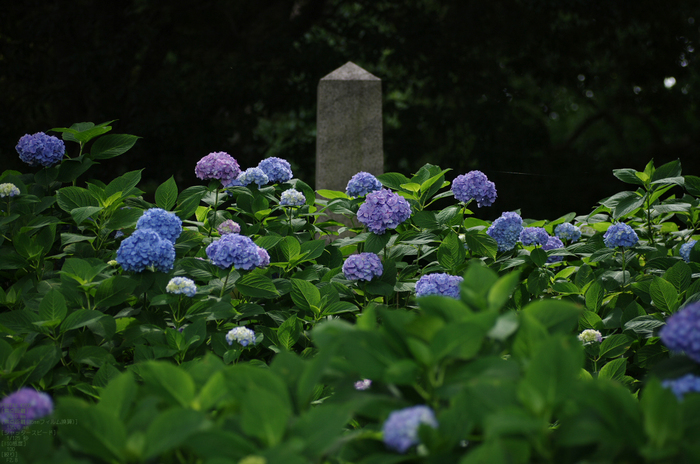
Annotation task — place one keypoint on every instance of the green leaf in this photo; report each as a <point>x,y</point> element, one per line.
<point>166,194</point>
<point>501,291</point>
<point>168,381</point>
<point>615,345</point>
<point>305,294</point>
<point>123,219</point>
<point>312,248</point>
<point>594,296</point>
<point>332,194</point>
<point>538,257</point>
<point>290,248</point>
<point>84,213</point>
<point>614,370</point>
<point>70,198</point>
<point>114,291</point>
<point>41,359</point>
<point>450,253</point>
<point>481,244</point>
<point>425,219</point>
<point>393,180</point>
<point>91,355</point>
<point>53,307</point>
<point>171,428</point>
<point>376,243</point>
<point>83,132</point>
<point>664,295</point>
<point>119,394</point>
<point>257,286</point>
<point>112,145</point>
<point>80,318</point>
<point>644,326</point>
<point>671,169</point>
<point>679,275</point>
<point>124,183</point>
<point>339,307</point>
<point>629,176</point>
<point>289,332</point>
<point>627,205</point>
<point>692,185</point>
<point>663,416</point>
<point>554,315</point>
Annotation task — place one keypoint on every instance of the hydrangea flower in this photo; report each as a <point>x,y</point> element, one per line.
<point>568,232</point>
<point>474,185</point>
<point>553,243</point>
<point>242,335</point>
<point>167,224</point>
<point>400,430</point>
<point>439,284</point>
<point>251,175</point>
<point>689,383</point>
<point>228,227</point>
<point>264,257</point>
<point>363,384</point>
<point>234,250</point>
<point>363,266</point>
<point>181,286</point>
<point>292,197</point>
<point>382,210</point>
<point>590,336</point>
<point>620,235</point>
<point>8,190</point>
<point>506,230</point>
<point>40,149</point>
<point>682,331</point>
<point>361,184</point>
<point>146,248</point>
<point>534,236</point>
<point>20,408</point>
<point>218,165</point>
<point>276,169</point>
<point>684,251</point>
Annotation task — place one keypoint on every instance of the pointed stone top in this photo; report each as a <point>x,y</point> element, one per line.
<point>350,72</point>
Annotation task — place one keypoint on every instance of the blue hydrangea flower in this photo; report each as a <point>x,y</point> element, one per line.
<point>234,250</point>
<point>400,430</point>
<point>363,266</point>
<point>382,210</point>
<point>534,236</point>
<point>292,197</point>
<point>553,243</point>
<point>361,184</point>
<point>506,230</point>
<point>40,149</point>
<point>589,336</point>
<point>181,286</point>
<point>682,331</point>
<point>439,284</point>
<point>264,257</point>
<point>218,165</point>
<point>568,232</point>
<point>620,235</point>
<point>689,383</point>
<point>146,248</point>
<point>19,409</point>
<point>242,335</point>
<point>276,169</point>
<point>167,224</point>
<point>685,250</point>
<point>8,190</point>
<point>474,185</point>
<point>251,175</point>
<point>228,227</point>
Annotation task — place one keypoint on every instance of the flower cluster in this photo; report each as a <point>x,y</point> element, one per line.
<point>590,336</point>
<point>228,227</point>
<point>568,232</point>
<point>234,250</point>
<point>382,210</point>
<point>8,190</point>
<point>361,184</point>
<point>400,430</point>
<point>20,408</point>
<point>474,185</point>
<point>40,149</point>
<point>682,331</point>
<point>689,383</point>
<point>145,248</point>
<point>363,266</point>
<point>553,243</point>
<point>363,384</point>
<point>684,251</point>
<point>439,284</point>
<point>218,165</point>
<point>166,224</point>
<point>242,335</point>
<point>276,169</point>
<point>506,230</point>
<point>251,175</point>
<point>181,286</point>
<point>620,235</point>
<point>534,236</point>
<point>292,197</point>
<point>264,257</point>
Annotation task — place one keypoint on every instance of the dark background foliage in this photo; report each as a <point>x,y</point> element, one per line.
<point>546,97</point>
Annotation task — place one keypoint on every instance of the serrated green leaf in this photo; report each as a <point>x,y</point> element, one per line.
<point>53,307</point>
<point>112,145</point>
<point>166,194</point>
<point>305,294</point>
<point>257,286</point>
<point>614,370</point>
<point>663,294</point>
<point>80,318</point>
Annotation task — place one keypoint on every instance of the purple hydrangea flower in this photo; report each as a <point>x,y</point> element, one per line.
<point>167,224</point>
<point>400,430</point>
<point>506,230</point>
<point>20,408</point>
<point>228,227</point>
<point>218,165</point>
<point>620,235</point>
<point>234,250</point>
<point>568,232</point>
<point>361,184</point>
<point>363,384</point>
<point>439,284</point>
<point>181,286</point>
<point>382,210</point>
<point>242,335</point>
<point>682,331</point>
<point>40,149</point>
<point>251,175</point>
<point>146,248</point>
<point>474,185</point>
<point>534,236</point>
<point>292,197</point>
<point>8,190</point>
<point>363,266</point>
<point>685,250</point>
<point>276,169</point>
<point>689,383</point>
<point>553,243</point>
<point>264,257</point>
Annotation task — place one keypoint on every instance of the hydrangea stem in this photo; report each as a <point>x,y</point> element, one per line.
<point>223,287</point>
<point>212,223</point>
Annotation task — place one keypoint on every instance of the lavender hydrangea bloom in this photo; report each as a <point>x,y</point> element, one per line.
<point>382,210</point>
<point>242,335</point>
<point>276,169</point>
<point>20,408</point>
<point>553,243</point>
<point>181,286</point>
<point>568,232</point>
<point>8,190</point>
<point>292,197</point>
<point>689,383</point>
<point>40,149</point>
<point>682,331</point>
<point>506,230</point>
<point>218,165</point>
<point>363,384</point>
<point>167,224</point>
<point>361,184</point>
<point>234,250</point>
<point>534,236</point>
<point>589,336</point>
<point>251,175</point>
<point>474,185</point>
<point>146,248</point>
<point>264,257</point>
<point>363,266</point>
<point>685,250</point>
<point>620,235</point>
<point>400,430</point>
<point>439,284</point>
<point>228,227</point>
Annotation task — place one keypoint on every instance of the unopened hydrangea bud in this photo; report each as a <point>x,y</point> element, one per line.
<point>361,184</point>
<point>8,190</point>
<point>292,197</point>
<point>243,335</point>
<point>590,336</point>
<point>474,185</point>
<point>400,430</point>
<point>181,286</point>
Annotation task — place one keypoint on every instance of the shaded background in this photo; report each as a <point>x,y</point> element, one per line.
<point>545,96</point>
